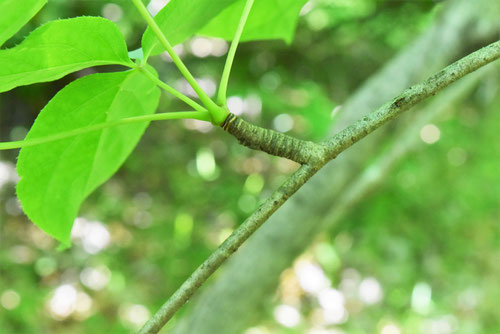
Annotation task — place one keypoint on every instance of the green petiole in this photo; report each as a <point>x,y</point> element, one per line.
<point>172,90</point>
<point>199,115</point>
<point>221,95</point>
<point>217,113</point>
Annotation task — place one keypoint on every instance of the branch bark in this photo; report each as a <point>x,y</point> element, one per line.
<point>274,143</point>
<point>239,296</point>
<point>227,248</point>
<point>334,146</point>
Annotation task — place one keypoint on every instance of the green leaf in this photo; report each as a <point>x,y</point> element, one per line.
<point>56,177</point>
<point>180,19</point>
<point>269,19</point>
<point>61,47</point>
<point>14,14</point>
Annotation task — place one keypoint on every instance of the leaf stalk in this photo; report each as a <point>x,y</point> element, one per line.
<point>218,114</point>
<point>198,115</point>
<point>221,96</point>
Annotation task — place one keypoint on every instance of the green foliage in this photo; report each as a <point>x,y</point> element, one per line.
<point>269,19</point>
<point>61,47</point>
<point>14,14</point>
<point>146,205</point>
<point>56,177</point>
<point>178,25</point>
<point>70,169</point>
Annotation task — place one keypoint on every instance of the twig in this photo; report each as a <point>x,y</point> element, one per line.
<point>274,143</point>
<point>228,247</point>
<point>335,146</point>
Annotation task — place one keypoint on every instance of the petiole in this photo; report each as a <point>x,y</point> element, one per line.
<point>218,113</point>
<point>221,95</point>
<point>172,90</point>
<point>199,115</point>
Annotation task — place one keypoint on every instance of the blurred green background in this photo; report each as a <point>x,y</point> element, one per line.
<point>419,254</point>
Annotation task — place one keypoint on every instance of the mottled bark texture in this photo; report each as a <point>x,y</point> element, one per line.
<point>234,302</point>
<point>274,143</point>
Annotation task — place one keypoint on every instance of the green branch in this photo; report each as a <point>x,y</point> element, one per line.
<point>273,142</point>
<point>199,115</point>
<point>218,114</point>
<point>227,248</point>
<point>221,96</point>
<point>317,154</point>
<point>411,97</point>
<point>335,146</point>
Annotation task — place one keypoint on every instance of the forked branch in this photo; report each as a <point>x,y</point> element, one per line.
<point>274,143</point>
<point>334,146</point>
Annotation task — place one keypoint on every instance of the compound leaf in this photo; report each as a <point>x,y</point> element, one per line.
<point>56,177</point>
<point>14,14</point>
<point>61,47</point>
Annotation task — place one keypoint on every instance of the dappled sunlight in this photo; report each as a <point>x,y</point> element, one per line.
<point>95,278</point>
<point>7,173</point>
<point>206,165</point>
<point>430,134</point>
<point>10,299</point>
<point>133,315</point>
<point>396,235</point>
<point>112,12</point>
<point>287,315</point>
<point>421,298</point>
<point>370,291</point>
<point>67,301</point>
<point>206,83</point>
<point>390,329</point>
<point>202,47</point>
<point>92,235</point>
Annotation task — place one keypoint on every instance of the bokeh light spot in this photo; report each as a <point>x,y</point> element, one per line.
<point>430,134</point>
<point>10,299</point>
<point>283,123</point>
<point>287,315</point>
<point>370,291</point>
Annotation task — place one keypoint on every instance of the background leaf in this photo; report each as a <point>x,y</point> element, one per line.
<point>269,19</point>
<point>57,177</point>
<point>14,14</point>
<point>61,47</point>
<point>179,20</point>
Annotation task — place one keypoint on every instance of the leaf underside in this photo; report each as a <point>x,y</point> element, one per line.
<point>14,14</point>
<point>56,177</point>
<point>61,47</point>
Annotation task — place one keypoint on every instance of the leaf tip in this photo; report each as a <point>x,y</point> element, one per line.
<point>63,246</point>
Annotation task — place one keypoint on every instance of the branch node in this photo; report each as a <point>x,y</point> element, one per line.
<point>275,143</point>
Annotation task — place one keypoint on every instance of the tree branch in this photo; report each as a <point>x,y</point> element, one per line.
<point>250,276</point>
<point>274,143</point>
<point>227,248</point>
<point>335,146</point>
<point>411,97</point>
